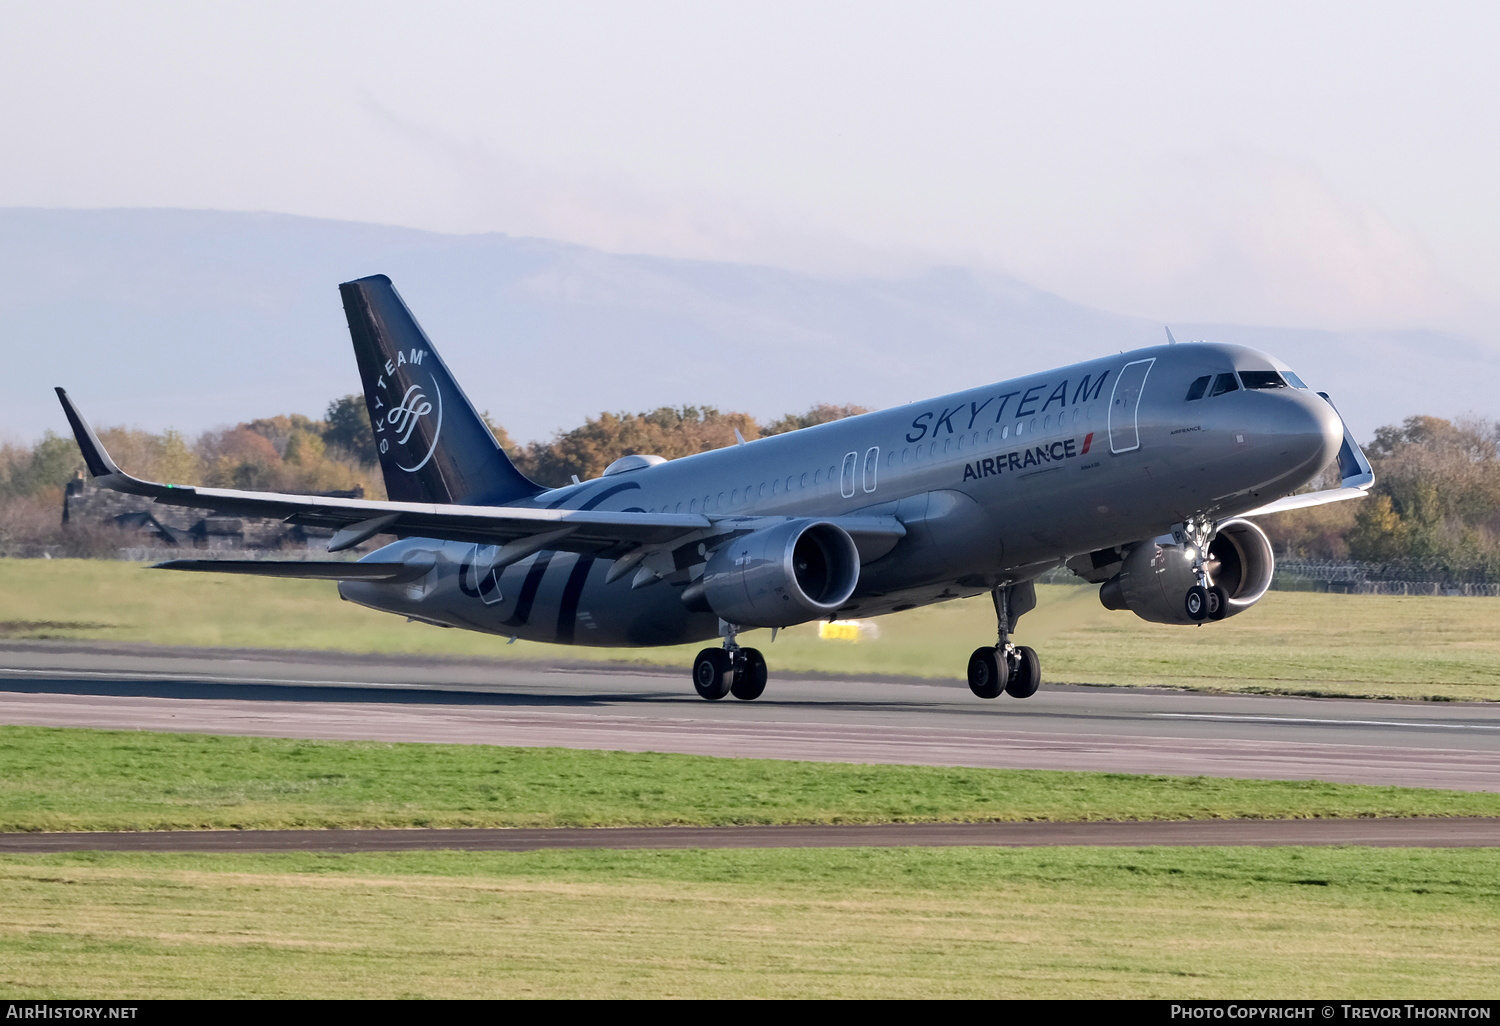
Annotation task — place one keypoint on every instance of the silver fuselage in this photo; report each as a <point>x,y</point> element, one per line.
<point>995,485</point>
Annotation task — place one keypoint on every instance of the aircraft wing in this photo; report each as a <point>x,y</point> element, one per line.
<point>1355,473</point>
<point>517,531</point>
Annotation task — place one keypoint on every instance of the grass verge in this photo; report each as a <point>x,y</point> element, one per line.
<point>76,779</point>
<point>1289,643</point>
<point>1116,923</point>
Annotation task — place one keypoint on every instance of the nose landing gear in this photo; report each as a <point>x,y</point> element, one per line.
<point>1004,667</point>
<point>730,670</point>
<point>1204,600</point>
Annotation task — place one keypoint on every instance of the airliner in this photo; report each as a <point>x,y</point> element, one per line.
<point>1141,472</point>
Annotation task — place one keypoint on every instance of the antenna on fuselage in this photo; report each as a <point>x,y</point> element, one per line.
<point>1170,340</point>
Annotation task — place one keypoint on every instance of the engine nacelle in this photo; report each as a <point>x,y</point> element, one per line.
<point>1154,580</point>
<point>779,576</point>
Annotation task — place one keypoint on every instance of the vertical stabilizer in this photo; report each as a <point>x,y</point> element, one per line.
<point>433,446</point>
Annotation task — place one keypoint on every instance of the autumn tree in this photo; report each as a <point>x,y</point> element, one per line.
<point>1436,499</point>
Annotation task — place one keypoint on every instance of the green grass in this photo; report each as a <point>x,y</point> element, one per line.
<point>73,779</point>
<point>870,923</point>
<point>1289,643</point>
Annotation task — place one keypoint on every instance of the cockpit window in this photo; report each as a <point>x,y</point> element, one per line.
<point>1293,380</point>
<point>1262,379</point>
<point>1197,388</point>
<point>1224,383</point>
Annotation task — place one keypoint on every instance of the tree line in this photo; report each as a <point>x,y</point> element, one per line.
<point>1435,505</point>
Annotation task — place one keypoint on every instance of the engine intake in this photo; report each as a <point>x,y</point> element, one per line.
<point>1154,579</point>
<point>779,576</point>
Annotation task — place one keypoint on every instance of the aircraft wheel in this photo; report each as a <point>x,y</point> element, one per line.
<point>713,673</point>
<point>1026,675</point>
<point>1196,603</point>
<point>750,677</point>
<point>1218,603</point>
<point>987,673</point>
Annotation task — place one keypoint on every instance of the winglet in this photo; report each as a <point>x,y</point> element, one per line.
<point>98,461</point>
<point>1354,469</point>
<point>1170,340</point>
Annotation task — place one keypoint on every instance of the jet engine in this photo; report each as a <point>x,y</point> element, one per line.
<point>1154,579</point>
<point>778,576</point>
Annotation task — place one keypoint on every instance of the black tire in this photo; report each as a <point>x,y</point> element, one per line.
<point>750,677</point>
<point>1196,603</point>
<point>1026,675</point>
<point>987,673</point>
<point>1218,603</point>
<point>713,674</point>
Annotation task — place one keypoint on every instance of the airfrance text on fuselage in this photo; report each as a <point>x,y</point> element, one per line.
<point>1023,458</point>
<point>1086,391</point>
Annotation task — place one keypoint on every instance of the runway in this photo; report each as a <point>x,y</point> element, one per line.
<point>331,695</point>
<point>1379,833</point>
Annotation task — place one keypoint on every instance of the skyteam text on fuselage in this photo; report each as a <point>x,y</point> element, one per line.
<point>1136,471</point>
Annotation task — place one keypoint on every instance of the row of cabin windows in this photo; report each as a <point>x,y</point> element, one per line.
<point>954,443</point>
<point>1227,382</point>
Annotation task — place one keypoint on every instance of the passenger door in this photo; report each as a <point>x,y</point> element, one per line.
<point>1124,406</point>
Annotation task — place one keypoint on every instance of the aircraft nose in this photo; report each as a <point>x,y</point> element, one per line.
<point>1306,429</point>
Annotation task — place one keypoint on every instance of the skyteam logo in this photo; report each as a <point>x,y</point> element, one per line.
<point>409,403</point>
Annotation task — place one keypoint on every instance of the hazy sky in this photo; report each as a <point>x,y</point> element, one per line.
<point>1319,164</point>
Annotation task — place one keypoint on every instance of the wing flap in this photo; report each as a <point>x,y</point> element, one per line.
<point>302,569</point>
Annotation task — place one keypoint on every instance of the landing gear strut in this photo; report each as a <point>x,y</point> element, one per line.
<point>730,670</point>
<point>1204,600</point>
<point>1004,667</point>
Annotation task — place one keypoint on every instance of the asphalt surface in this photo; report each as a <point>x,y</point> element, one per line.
<point>330,695</point>
<point>1380,833</point>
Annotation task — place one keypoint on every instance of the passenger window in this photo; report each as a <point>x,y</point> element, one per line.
<point>1198,387</point>
<point>1005,431</point>
<point>817,477</point>
<point>803,482</point>
<point>693,506</point>
<point>734,498</point>
<point>989,436</point>
<point>1020,428</point>
<point>1224,383</point>
<point>1261,379</point>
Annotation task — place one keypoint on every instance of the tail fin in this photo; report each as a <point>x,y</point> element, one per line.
<point>433,446</point>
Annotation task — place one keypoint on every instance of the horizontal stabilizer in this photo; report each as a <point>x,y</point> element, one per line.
<point>302,569</point>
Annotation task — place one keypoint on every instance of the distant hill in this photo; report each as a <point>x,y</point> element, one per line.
<point>195,319</point>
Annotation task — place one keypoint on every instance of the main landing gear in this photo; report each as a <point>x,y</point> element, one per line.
<point>1004,667</point>
<point>730,670</point>
<point>1204,600</point>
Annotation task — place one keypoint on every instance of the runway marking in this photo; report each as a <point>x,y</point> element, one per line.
<point>1241,718</point>
<point>205,678</point>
